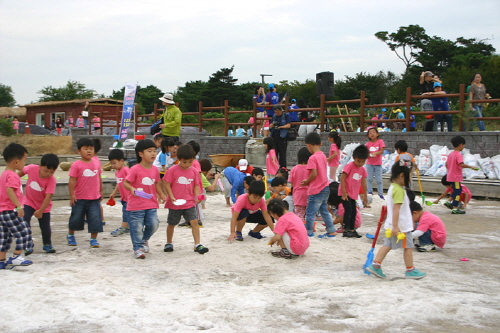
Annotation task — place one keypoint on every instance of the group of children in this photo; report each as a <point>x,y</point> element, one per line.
<point>180,180</point>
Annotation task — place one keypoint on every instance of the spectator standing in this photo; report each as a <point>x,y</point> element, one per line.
<point>440,103</point>
<point>259,97</point>
<point>172,118</point>
<point>280,123</point>
<point>477,91</point>
<point>294,115</point>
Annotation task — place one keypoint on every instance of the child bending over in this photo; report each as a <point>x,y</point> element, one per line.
<point>430,229</point>
<point>465,196</point>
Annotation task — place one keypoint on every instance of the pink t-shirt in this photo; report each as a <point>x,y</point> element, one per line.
<point>334,162</point>
<point>243,203</point>
<point>9,179</point>
<point>375,147</point>
<point>145,179</point>
<point>196,164</point>
<point>37,188</point>
<point>271,168</point>
<point>317,161</point>
<point>454,168</point>
<point>16,124</point>
<point>293,225</point>
<point>353,180</point>
<point>298,174</point>
<point>88,179</point>
<point>429,221</point>
<point>462,195</point>
<point>182,182</point>
<point>97,122</point>
<point>120,176</point>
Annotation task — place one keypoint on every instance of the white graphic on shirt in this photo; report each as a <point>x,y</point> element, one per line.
<point>147,181</point>
<point>89,173</point>
<point>34,185</point>
<point>119,180</point>
<point>374,148</point>
<point>357,176</point>
<point>184,181</point>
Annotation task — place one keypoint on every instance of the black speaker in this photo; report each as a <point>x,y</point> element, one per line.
<point>324,84</point>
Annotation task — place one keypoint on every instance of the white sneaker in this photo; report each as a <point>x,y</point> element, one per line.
<point>146,247</point>
<point>139,254</point>
<point>427,248</point>
<point>18,261</point>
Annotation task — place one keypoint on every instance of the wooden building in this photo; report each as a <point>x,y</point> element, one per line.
<point>45,113</point>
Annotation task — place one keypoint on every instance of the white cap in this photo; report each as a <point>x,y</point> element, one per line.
<point>243,164</point>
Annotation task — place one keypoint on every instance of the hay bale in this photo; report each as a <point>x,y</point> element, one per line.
<point>65,165</point>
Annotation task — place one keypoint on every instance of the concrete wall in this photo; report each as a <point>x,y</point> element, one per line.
<point>483,143</point>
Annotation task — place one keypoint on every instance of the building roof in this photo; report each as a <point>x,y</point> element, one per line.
<point>96,101</point>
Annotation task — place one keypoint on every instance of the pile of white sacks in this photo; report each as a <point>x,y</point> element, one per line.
<point>432,162</point>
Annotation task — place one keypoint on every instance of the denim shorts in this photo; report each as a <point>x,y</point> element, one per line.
<point>86,208</point>
<point>174,215</point>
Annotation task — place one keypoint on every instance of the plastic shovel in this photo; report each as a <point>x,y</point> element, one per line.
<point>369,257</point>
<point>420,185</point>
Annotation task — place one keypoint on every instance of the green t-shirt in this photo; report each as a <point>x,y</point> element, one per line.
<point>204,182</point>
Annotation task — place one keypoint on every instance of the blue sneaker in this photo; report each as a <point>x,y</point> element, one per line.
<point>257,235</point>
<point>311,234</point>
<point>201,249</point>
<point>18,261</point>
<point>28,252</point>
<point>3,265</point>
<point>48,248</point>
<point>326,235</point>
<point>94,243</point>
<point>239,236</point>
<point>376,271</point>
<point>168,248</point>
<point>415,274</point>
<point>71,240</point>
<point>120,231</point>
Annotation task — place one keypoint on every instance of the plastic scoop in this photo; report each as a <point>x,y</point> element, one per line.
<point>179,202</point>
<point>201,197</point>
<point>111,202</point>
<point>430,203</point>
<point>143,194</point>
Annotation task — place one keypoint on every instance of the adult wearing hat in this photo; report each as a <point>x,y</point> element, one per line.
<point>440,103</point>
<point>294,115</point>
<point>172,118</point>
<point>280,123</point>
<point>272,97</point>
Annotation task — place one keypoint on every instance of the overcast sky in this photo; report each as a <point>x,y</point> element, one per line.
<point>106,43</point>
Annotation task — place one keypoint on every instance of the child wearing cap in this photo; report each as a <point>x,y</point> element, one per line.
<point>440,103</point>
<point>244,167</point>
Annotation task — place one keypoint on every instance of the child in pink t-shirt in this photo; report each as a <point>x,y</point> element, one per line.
<point>430,229</point>
<point>14,228</point>
<point>454,165</point>
<point>117,160</point>
<point>465,196</point>
<point>85,193</point>
<point>272,164</point>
<point>319,187</point>
<point>15,124</point>
<point>182,182</point>
<point>333,159</point>
<point>373,164</point>
<point>297,175</point>
<point>40,188</point>
<point>250,207</point>
<point>353,178</point>
<point>144,184</point>
<point>289,232</point>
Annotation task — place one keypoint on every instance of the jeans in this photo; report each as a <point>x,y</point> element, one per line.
<point>86,208</point>
<point>374,170</point>
<point>425,239</point>
<point>143,224</point>
<point>125,212</point>
<point>319,202</point>
<point>455,195</point>
<point>44,223</point>
<point>478,113</point>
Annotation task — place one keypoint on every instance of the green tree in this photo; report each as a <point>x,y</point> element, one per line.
<point>190,95</point>
<point>72,90</point>
<point>145,97</point>
<point>6,96</point>
<point>300,90</point>
<point>221,86</point>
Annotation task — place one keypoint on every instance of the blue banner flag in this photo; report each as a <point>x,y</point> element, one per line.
<point>128,108</point>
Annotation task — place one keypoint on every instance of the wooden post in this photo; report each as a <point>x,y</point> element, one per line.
<point>322,112</point>
<point>155,109</point>
<point>254,125</point>
<point>461,107</point>
<point>348,118</point>
<point>226,116</point>
<point>408,106</point>
<point>362,112</point>
<point>200,116</point>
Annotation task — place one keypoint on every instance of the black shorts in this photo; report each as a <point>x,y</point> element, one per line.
<point>257,217</point>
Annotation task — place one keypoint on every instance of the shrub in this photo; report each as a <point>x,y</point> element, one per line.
<point>6,127</point>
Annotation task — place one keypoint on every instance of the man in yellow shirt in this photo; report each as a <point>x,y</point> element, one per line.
<point>172,118</point>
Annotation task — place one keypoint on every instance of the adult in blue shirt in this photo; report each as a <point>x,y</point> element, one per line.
<point>440,103</point>
<point>272,97</point>
<point>260,99</point>
<point>280,123</point>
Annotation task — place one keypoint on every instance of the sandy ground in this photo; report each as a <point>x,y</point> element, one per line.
<point>240,287</point>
